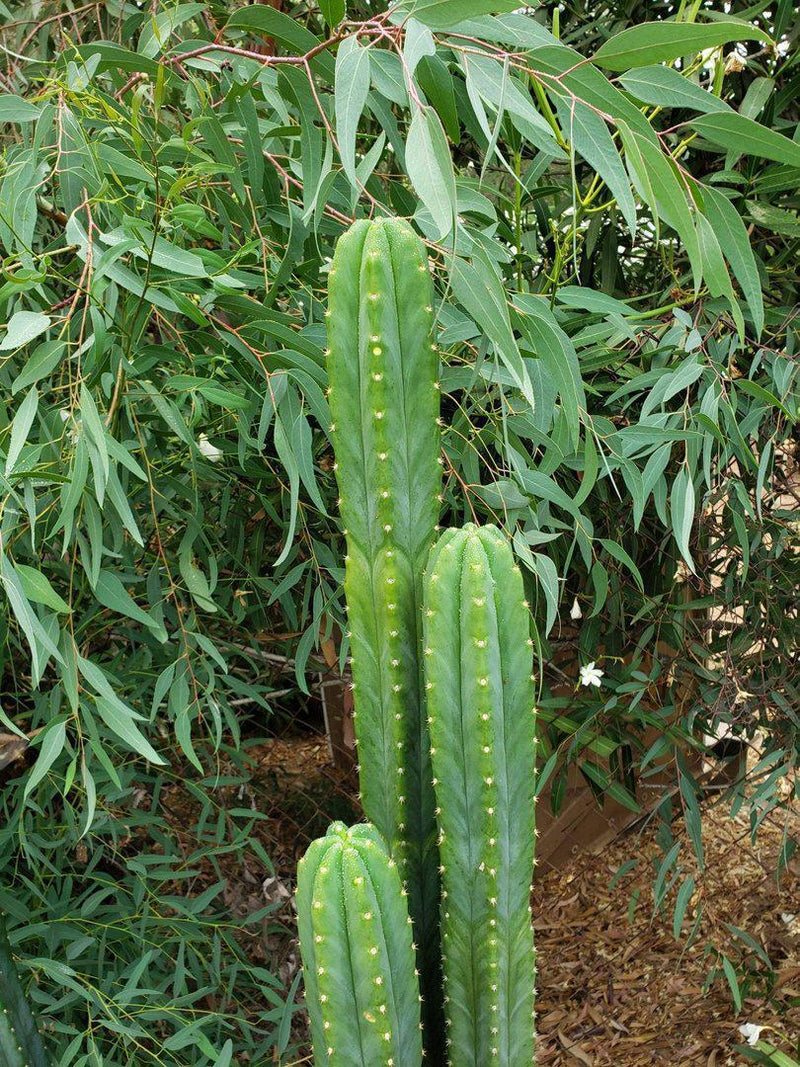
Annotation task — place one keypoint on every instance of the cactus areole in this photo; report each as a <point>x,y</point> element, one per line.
<point>384,402</point>
<point>358,955</point>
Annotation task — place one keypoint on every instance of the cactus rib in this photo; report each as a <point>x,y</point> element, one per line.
<point>480,706</point>
<point>21,1044</point>
<point>358,956</point>
<point>384,405</point>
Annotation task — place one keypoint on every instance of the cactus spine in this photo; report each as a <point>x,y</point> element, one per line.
<point>20,1042</point>
<point>384,402</point>
<point>358,956</point>
<point>480,706</point>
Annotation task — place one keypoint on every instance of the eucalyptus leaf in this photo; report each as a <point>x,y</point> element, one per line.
<point>430,168</point>
<point>661,42</point>
<point>15,108</point>
<point>682,508</point>
<point>666,87</point>
<point>352,86</point>
<point>23,327</point>
<point>441,14</point>
<point>744,135</point>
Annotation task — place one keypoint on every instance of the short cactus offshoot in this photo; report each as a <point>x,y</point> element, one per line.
<point>358,956</point>
<point>384,403</point>
<point>20,1042</point>
<point>481,721</point>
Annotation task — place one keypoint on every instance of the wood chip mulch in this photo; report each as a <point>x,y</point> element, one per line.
<point>616,988</point>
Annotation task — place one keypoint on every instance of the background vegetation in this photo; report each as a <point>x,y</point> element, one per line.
<point>615,245</point>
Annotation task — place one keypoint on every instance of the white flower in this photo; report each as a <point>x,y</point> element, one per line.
<point>751,1031</point>
<point>788,917</point>
<point>575,611</point>
<point>591,675</point>
<point>710,58</point>
<point>211,452</point>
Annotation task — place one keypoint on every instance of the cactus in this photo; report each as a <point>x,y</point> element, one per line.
<point>384,403</point>
<point>480,707</point>
<point>454,742</point>
<point>358,956</point>
<point>20,1042</point>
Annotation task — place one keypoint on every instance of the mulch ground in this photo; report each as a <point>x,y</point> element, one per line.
<point>615,987</point>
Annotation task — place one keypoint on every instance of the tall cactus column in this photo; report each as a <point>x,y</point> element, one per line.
<point>480,706</point>
<point>384,404</point>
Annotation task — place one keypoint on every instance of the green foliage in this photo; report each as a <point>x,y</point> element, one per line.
<point>384,403</point>
<point>20,1042</point>
<point>358,956</point>
<point>614,261</point>
<point>130,932</point>
<point>483,749</point>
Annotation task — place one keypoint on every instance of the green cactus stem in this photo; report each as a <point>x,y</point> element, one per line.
<point>358,955</point>
<point>482,727</point>
<point>384,402</point>
<point>21,1044</point>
